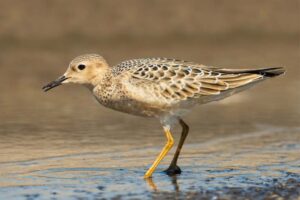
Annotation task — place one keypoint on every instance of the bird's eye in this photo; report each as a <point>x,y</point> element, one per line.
<point>81,67</point>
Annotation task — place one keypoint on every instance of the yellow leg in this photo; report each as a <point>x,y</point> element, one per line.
<point>163,153</point>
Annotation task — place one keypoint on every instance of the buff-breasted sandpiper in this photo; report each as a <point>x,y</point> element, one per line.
<point>162,88</point>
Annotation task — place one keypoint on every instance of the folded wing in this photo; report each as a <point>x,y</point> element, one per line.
<point>180,80</point>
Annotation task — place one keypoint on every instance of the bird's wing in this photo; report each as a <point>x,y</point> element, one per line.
<point>179,80</point>
<point>131,65</point>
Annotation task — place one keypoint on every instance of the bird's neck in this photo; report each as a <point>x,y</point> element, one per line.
<point>101,79</point>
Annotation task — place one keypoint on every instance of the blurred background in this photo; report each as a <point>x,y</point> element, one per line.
<point>39,38</point>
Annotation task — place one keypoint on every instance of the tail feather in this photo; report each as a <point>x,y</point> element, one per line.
<point>236,81</point>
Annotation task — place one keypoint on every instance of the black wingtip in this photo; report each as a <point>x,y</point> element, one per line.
<point>267,72</point>
<point>272,72</point>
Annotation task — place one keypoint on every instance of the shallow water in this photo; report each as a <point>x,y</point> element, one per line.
<point>87,165</point>
<point>63,145</point>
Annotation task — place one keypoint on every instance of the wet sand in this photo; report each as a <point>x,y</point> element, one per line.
<point>63,145</point>
<point>260,164</point>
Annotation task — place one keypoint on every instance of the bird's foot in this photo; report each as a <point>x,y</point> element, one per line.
<point>173,170</point>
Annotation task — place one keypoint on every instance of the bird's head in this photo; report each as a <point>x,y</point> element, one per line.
<point>85,69</point>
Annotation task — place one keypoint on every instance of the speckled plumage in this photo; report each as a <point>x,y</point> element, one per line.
<point>159,87</point>
<point>168,86</point>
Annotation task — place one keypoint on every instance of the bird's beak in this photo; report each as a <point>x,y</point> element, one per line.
<point>55,83</point>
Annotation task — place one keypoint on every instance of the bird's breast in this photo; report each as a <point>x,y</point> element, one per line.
<point>119,98</point>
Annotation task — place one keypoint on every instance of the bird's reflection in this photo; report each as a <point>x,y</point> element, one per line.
<point>174,182</point>
<point>153,186</point>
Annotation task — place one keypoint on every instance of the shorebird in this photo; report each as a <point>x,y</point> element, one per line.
<point>161,88</point>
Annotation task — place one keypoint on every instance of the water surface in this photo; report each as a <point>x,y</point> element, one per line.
<point>63,145</point>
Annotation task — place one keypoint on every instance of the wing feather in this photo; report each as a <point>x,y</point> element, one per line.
<point>179,80</point>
